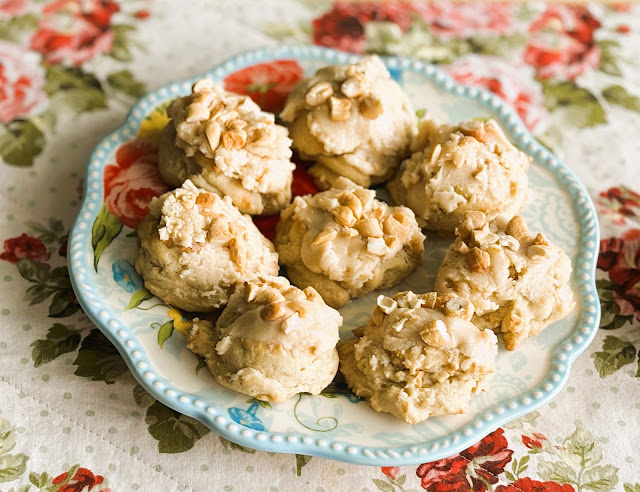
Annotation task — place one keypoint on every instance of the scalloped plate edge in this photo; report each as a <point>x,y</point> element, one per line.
<point>80,268</point>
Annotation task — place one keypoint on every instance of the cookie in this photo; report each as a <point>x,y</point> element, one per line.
<point>517,281</point>
<point>272,341</point>
<point>418,356</point>
<point>345,243</point>
<point>195,247</point>
<point>353,121</point>
<point>470,166</point>
<point>224,143</point>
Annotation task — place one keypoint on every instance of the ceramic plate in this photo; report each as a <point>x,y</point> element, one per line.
<point>336,424</point>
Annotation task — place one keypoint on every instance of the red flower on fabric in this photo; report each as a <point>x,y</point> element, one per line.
<point>82,480</point>
<point>11,8</point>
<point>472,469</point>
<point>620,258</point>
<point>268,84</point>
<point>75,31</point>
<point>464,19</point>
<point>620,203</point>
<point>343,27</point>
<point>391,471</point>
<point>131,183</point>
<point>528,485</point>
<point>24,246</point>
<point>512,82</point>
<point>562,42</point>
<point>21,83</point>
<point>535,441</point>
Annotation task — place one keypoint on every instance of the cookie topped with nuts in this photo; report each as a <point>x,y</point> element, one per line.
<point>353,121</point>
<point>345,243</point>
<point>518,281</point>
<point>418,356</point>
<point>195,247</point>
<point>455,168</point>
<point>272,341</point>
<point>226,144</point>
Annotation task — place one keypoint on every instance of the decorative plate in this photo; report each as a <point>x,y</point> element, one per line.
<point>121,179</point>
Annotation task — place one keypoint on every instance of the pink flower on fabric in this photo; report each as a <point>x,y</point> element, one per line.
<point>21,83</point>
<point>561,43</point>
<point>455,20</point>
<point>75,31</point>
<point>11,8</point>
<point>514,83</point>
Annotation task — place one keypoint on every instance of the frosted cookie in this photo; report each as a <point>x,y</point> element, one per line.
<point>345,243</point>
<point>418,356</point>
<point>272,341</point>
<point>470,166</point>
<point>518,282</point>
<point>353,121</point>
<point>223,142</point>
<point>196,246</point>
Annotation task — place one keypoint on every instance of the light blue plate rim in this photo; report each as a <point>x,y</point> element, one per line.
<point>81,271</point>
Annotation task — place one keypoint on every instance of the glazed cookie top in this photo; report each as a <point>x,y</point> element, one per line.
<point>470,166</point>
<point>349,104</point>
<point>190,218</point>
<point>431,334</point>
<point>270,310</point>
<point>347,232</point>
<point>507,262</point>
<point>232,134</point>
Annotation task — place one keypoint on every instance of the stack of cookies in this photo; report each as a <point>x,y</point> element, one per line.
<point>421,353</point>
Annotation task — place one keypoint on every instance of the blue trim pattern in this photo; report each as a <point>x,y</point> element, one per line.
<point>217,418</point>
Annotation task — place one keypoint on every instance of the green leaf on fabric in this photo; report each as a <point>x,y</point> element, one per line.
<point>12,28</point>
<point>510,476</point>
<point>75,89</point>
<point>600,478</point>
<point>121,41</point>
<point>382,485</point>
<point>12,466</point>
<point>37,293</point>
<point>20,142</point>
<point>165,332</point>
<point>124,81</point>
<point>138,297</point>
<point>33,271</point>
<point>611,318</point>
<point>616,94</point>
<point>55,233</point>
<point>98,359</point>
<point>581,449</point>
<point>174,432</point>
<point>629,487</point>
<point>7,436</point>
<point>581,105</point>
<point>556,471</point>
<point>142,397</point>
<point>301,461</point>
<point>401,480</point>
<point>105,229</point>
<point>63,304</point>
<point>237,447</point>
<point>61,339</point>
<point>609,57</point>
<point>615,354</point>
<point>40,480</point>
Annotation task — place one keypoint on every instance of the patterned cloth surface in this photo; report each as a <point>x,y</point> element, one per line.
<point>72,418</point>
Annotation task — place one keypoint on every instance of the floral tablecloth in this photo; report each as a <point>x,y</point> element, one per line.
<point>72,418</point>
